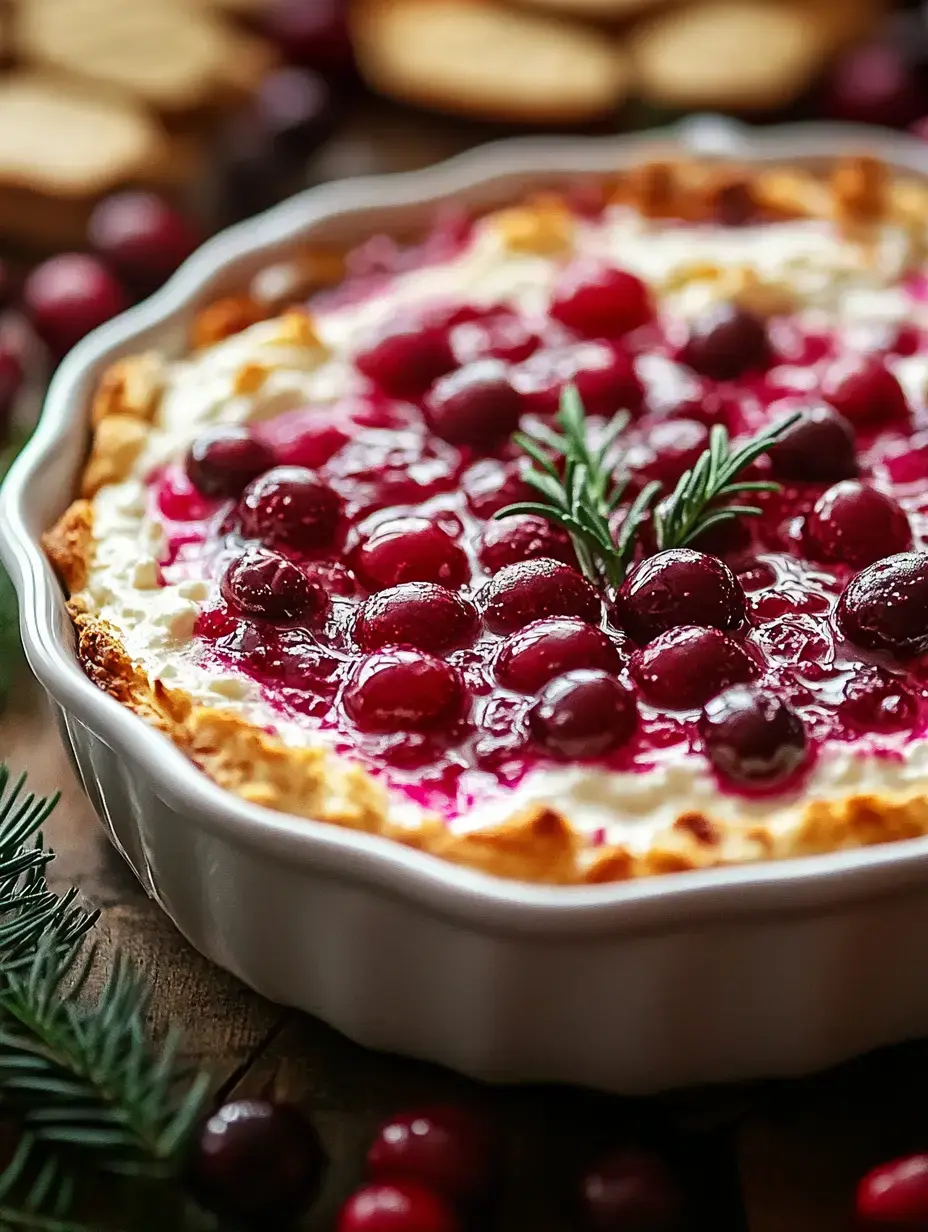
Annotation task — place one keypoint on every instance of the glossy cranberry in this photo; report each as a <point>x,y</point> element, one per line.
<point>603,374</point>
<point>875,700</point>
<point>68,296</point>
<point>630,1190</point>
<point>257,1162</point>
<point>875,84</point>
<point>142,237</point>
<point>490,486</point>
<point>292,507</point>
<point>895,1194</point>
<point>262,583</point>
<point>523,537</point>
<point>725,342</point>
<point>476,405</point>
<point>884,606</point>
<point>501,335</point>
<point>410,550</point>
<point>527,660</point>
<point>223,461</point>
<point>685,667</point>
<point>672,447</point>
<point>819,447</point>
<point>294,106</point>
<point>305,437</point>
<point>863,390</point>
<point>418,614</point>
<point>534,589</point>
<point>403,690</point>
<point>752,737</point>
<point>856,524</point>
<point>407,356</point>
<point>598,301</point>
<point>452,1151</point>
<point>583,714</point>
<point>313,33</point>
<point>679,587</point>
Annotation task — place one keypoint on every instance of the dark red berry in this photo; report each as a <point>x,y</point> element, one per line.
<point>294,107</point>
<point>407,356</point>
<point>895,1194</point>
<point>489,486</point>
<point>451,1151</point>
<point>583,714</point>
<point>864,391</point>
<point>752,737</point>
<point>142,237</point>
<point>475,406</point>
<point>857,524</point>
<point>223,461</point>
<point>264,584</point>
<point>604,375</point>
<point>12,375</point>
<point>884,606</point>
<point>403,690</point>
<point>257,1162</point>
<point>397,1206</point>
<point>679,587</point>
<point>672,447</point>
<point>630,1190</point>
<point>875,84</point>
<point>598,301</point>
<point>410,550</point>
<point>501,335</point>
<point>873,699</point>
<point>292,507</point>
<point>527,660</point>
<point>523,537</point>
<point>529,591</point>
<point>313,33</point>
<point>68,296</point>
<point>818,448</point>
<point>725,342</point>
<point>419,614</point>
<point>685,667</point>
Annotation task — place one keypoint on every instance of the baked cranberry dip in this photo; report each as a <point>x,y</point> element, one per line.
<point>579,541</point>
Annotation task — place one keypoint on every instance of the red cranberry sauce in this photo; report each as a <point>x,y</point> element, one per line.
<point>384,463</point>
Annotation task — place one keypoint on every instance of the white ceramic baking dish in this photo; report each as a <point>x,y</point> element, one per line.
<point>751,971</point>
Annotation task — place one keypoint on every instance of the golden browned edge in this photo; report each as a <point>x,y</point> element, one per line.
<point>538,844</point>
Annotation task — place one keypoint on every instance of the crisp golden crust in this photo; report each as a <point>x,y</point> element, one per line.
<point>69,545</point>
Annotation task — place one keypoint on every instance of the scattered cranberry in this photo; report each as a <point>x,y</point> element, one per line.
<point>598,301</point>
<point>410,550</point>
<point>630,1190</point>
<point>142,237</point>
<point>820,447</point>
<point>752,737</point>
<point>403,690</point>
<point>68,296</point>
<point>883,607</point>
<point>257,1162</point>
<point>672,447</point>
<point>490,486</point>
<point>547,648</point>
<point>476,405</point>
<point>875,84</point>
<point>534,589</point>
<point>407,356</point>
<point>895,1194</point>
<point>857,525</point>
<point>863,390</point>
<point>261,583</point>
<point>419,614</point>
<point>452,1151</point>
<point>876,700</point>
<point>685,667</point>
<point>583,714</point>
<point>679,587</point>
<point>501,335</point>
<point>223,461</point>
<point>313,33</point>
<point>294,106</point>
<point>396,1206</point>
<point>604,375</point>
<point>292,507</point>
<point>523,537</point>
<point>12,375</point>
<point>725,341</point>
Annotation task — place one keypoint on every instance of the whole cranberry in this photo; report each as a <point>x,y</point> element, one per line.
<point>819,447</point>
<point>264,584</point>
<point>725,342</point>
<point>875,84</point>
<point>68,296</point>
<point>630,1190</point>
<point>583,714</point>
<point>864,391</point>
<point>419,614</point>
<point>599,301</point>
<point>685,667</point>
<point>752,737</point>
<point>873,699</point>
<point>672,447</point>
<point>523,537</point>
<point>12,375</point>
<point>679,587</point>
<point>223,461</point>
<point>895,1194</point>
<point>527,660</point>
<point>257,1162</point>
<point>856,524</point>
<point>475,406</point>
<point>410,550</point>
<point>534,589</point>
<point>884,606</point>
<point>604,375</point>
<point>142,237</point>
<point>490,486</point>
<point>295,108</point>
<point>397,1206</point>
<point>292,507</point>
<point>403,690</point>
<point>407,356</point>
<point>313,33</point>
<point>501,335</point>
<point>451,1151</point>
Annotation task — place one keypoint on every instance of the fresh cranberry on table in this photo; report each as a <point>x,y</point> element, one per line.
<point>725,342</point>
<point>294,107</point>
<point>875,84</point>
<point>410,550</point>
<point>313,33</point>
<point>685,667</point>
<point>450,1150</point>
<point>873,699</point>
<point>68,296</point>
<point>223,461</point>
<point>528,659</point>
<point>679,587</point>
<point>490,486</point>
<point>406,356</point>
<point>402,690</point>
<point>397,1206</point>
<point>420,614</point>
<point>476,405</point>
<point>583,714</point>
<point>629,1190</point>
<point>292,507</point>
<point>524,536</point>
<point>895,1194</point>
<point>264,584</point>
<point>12,375</point>
<point>884,606</point>
<point>864,391</point>
<point>752,737</point>
<point>258,1162</point>
<point>599,301</point>
<point>819,447</point>
<point>671,448</point>
<point>500,335</point>
<point>142,237</point>
<point>857,524</point>
<point>604,375</point>
<point>533,589</point>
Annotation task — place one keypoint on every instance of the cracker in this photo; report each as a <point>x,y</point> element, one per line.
<point>477,57</point>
